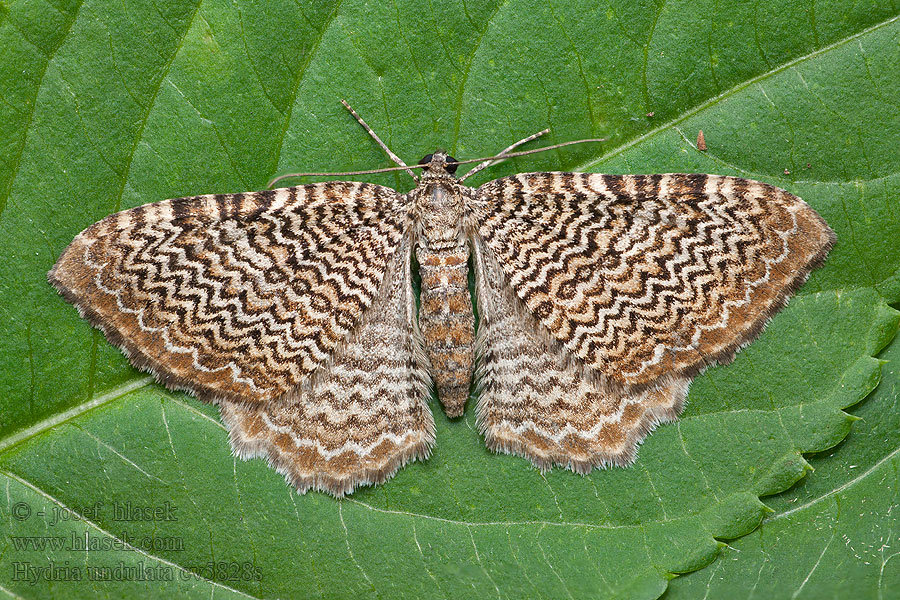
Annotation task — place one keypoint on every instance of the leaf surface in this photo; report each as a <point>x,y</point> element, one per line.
<point>112,105</point>
<point>834,534</point>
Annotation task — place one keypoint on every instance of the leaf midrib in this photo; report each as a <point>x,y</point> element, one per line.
<point>730,92</point>
<point>108,534</point>
<point>21,435</point>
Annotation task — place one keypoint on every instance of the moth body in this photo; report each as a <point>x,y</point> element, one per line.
<point>442,250</point>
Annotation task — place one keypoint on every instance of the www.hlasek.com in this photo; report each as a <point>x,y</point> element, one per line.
<point>95,543</point>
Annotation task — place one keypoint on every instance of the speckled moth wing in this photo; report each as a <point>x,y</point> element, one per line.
<point>235,297</point>
<point>364,416</point>
<point>647,279</point>
<point>535,402</point>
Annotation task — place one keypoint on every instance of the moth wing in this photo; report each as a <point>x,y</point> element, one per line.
<point>647,279</point>
<point>536,402</point>
<point>235,297</point>
<point>362,418</point>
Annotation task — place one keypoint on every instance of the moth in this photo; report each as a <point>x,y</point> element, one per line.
<point>599,299</point>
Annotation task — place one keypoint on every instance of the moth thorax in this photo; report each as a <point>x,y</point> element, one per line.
<point>440,207</point>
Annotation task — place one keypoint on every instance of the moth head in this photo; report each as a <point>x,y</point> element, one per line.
<point>439,163</point>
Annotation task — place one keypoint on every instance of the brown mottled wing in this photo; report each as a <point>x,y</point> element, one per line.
<point>536,402</point>
<point>647,279</point>
<point>235,297</point>
<point>362,418</point>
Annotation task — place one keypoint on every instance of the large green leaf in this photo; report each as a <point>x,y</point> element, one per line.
<point>109,105</point>
<point>835,534</point>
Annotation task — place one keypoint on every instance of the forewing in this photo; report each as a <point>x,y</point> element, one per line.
<point>239,296</point>
<point>535,402</point>
<point>363,416</point>
<point>649,276</point>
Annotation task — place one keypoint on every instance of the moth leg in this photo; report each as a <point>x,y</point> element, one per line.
<point>537,401</point>
<point>364,414</point>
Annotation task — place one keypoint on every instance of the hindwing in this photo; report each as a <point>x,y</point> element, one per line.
<point>536,402</point>
<point>362,418</point>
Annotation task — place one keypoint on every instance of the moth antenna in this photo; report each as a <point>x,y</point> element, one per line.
<point>384,146</point>
<point>275,180</point>
<point>485,161</point>
<point>510,148</point>
<point>504,155</point>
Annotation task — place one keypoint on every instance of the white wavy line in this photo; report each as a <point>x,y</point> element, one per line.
<point>660,349</point>
<point>569,429</point>
<point>355,447</point>
<point>235,370</point>
<point>339,417</point>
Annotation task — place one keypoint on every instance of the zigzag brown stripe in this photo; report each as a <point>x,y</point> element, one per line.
<point>535,402</point>
<point>237,296</point>
<point>345,431</point>
<point>642,277</point>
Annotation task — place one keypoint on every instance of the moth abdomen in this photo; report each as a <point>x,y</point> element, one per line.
<point>447,322</point>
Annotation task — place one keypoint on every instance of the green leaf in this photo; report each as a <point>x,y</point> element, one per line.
<point>833,535</point>
<point>109,105</point>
